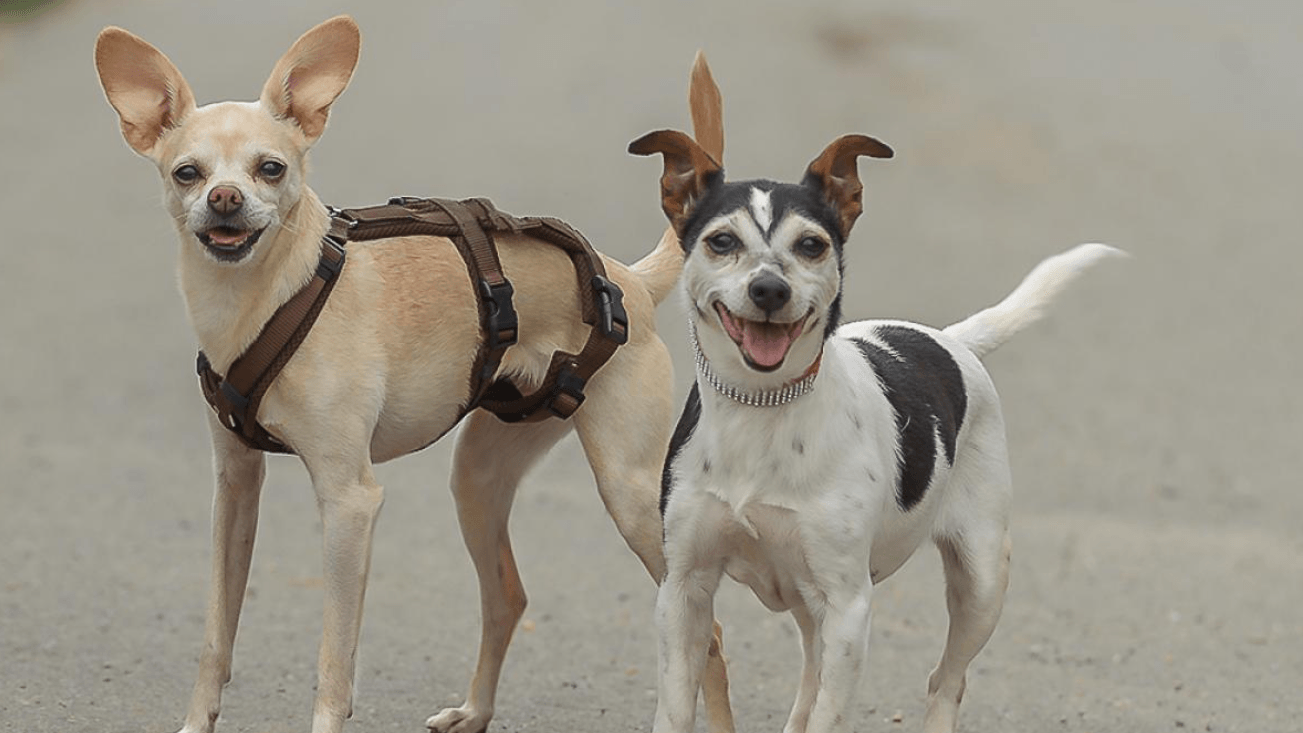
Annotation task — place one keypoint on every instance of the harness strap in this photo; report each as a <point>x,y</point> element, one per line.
<point>236,397</point>
<point>562,389</point>
<point>495,292</point>
<point>469,224</point>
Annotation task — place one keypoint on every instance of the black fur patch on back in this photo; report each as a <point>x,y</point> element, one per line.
<point>682,433</point>
<point>926,390</point>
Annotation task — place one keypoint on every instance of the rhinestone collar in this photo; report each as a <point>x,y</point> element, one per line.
<point>760,398</point>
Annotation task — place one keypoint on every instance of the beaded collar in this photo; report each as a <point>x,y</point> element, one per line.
<point>760,398</point>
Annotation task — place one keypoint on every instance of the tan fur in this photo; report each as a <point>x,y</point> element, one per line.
<point>707,107</point>
<point>385,369</point>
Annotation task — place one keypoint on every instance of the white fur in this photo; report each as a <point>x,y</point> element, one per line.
<point>799,503</point>
<point>984,331</point>
<point>762,209</point>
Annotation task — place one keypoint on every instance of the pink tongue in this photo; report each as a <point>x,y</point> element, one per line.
<point>226,236</point>
<point>765,344</point>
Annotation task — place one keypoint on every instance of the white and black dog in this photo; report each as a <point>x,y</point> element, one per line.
<point>812,458</point>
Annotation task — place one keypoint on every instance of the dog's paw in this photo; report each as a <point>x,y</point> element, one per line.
<point>464,719</point>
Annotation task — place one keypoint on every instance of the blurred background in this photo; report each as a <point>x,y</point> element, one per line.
<point>1154,419</point>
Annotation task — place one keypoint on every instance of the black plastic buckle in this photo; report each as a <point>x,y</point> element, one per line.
<point>500,324</point>
<point>328,269</point>
<point>238,402</point>
<point>610,310</point>
<point>570,385</point>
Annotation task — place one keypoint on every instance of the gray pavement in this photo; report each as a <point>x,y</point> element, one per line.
<point>1155,418</point>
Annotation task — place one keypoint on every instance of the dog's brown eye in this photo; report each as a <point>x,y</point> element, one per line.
<point>811,247</point>
<point>271,169</point>
<point>722,243</point>
<point>186,174</point>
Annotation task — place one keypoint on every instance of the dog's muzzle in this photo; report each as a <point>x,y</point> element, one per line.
<point>228,244</point>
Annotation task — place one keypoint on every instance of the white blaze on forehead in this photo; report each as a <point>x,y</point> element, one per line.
<point>762,209</point>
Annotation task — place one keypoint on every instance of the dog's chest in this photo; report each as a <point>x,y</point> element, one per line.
<point>763,550</point>
<point>791,456</point>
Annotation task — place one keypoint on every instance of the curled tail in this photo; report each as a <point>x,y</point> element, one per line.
<point>987,330</point>
<point>660,269</point>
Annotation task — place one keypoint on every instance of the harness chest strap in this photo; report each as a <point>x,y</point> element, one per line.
<point>236,397</point>
<point>468,225</point>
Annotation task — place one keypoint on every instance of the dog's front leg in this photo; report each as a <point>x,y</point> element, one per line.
<point>349,500</point>
<point>685,611</point>
<point>239,473</point>
<point>844,637</point>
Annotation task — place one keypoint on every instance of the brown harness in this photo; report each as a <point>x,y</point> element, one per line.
<point>470,225</point>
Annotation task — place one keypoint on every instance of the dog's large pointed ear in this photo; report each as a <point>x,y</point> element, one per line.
<point>149,94</point>
<point>689,172</point>
<point>312,74</point>
<point>707,108</point>
<point>836,175</point>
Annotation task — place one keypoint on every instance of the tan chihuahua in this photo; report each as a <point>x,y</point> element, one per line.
<point>386,368</point>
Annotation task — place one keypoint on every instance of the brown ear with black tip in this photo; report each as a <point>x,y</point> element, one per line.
<point>689,172</point>
<point>835,173</point>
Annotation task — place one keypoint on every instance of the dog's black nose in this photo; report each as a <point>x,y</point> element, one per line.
<point>225,199</point>
<point>769,292</point>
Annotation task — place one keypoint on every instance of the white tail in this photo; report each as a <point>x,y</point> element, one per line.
<point>985,331</point>
<point>660,268</point>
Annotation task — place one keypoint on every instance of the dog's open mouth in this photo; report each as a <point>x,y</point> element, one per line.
<point>764,344</point>
<point>229,244</point>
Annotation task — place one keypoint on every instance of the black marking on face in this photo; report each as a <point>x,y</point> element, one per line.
<point>799,446</point>
<point>784,199</point>
<point>682,434</point>
<point>926,391</point>
<point>834,308</point>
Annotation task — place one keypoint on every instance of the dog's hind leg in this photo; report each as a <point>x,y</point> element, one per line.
<point>714,686</point>
<point>490,459</point>
<point>235,522</point>
<point>625,427</point>
<point>805,694</point>
<point>976,567</point>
